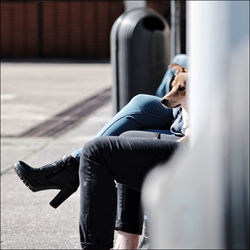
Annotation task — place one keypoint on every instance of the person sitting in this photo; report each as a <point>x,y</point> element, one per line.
<point>125,159</point>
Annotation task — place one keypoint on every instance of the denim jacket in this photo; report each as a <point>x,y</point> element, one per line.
<point>176,127</point>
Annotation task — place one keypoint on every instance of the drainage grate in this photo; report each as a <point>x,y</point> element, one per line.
<point>70,117</point>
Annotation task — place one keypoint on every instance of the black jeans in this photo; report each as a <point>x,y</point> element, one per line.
<point>104,160</point>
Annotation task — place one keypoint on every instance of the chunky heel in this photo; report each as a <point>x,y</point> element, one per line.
<point>61,174</point>
<point>61,197</point>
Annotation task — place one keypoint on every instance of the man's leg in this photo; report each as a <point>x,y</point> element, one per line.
<point>130,215</point>
<point>129,218</point>
<point>163,89</point>
<point>104,160</point>
<point>126,240</point>
<point>142,112</point>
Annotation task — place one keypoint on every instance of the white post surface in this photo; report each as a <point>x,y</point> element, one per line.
<point>187,199</point>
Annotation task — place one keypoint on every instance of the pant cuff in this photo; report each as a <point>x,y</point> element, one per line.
<point>128,228</point>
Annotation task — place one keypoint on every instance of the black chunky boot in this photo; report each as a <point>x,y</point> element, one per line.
<point>61,174</point>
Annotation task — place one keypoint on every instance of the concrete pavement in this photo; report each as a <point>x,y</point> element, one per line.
<point>32,93</point>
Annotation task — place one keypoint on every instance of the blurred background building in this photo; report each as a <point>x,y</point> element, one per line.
<point>77,29</point>
<point>71,29</point>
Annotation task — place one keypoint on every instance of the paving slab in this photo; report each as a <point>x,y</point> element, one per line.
<point>27,219</point>
<point>14,149</point>
<point>33,92</point>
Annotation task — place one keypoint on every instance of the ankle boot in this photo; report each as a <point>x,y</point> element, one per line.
<point>61,174</point>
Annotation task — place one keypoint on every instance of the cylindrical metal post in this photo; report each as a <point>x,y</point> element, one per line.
<point>175,27</point>
<point>129,5</point>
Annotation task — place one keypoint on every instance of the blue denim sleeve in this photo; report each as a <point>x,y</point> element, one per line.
<point>165,85</point>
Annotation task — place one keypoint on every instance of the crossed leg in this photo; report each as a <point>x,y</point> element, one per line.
<point>105,159</point>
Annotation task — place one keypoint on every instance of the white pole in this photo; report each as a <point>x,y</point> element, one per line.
<point>193,197</point>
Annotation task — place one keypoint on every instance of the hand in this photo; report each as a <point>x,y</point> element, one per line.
<point>183,139</point>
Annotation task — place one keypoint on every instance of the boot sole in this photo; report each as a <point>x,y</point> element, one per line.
<point>24,180</point>
<point>64,193</point>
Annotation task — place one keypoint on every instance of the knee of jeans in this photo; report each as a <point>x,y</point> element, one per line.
<point>89,154</point>
<point>92,148</point>
<point>139,98</point>
<point>143,101</point>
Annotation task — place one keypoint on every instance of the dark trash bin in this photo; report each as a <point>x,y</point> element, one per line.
<point>140,54</point>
